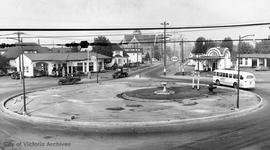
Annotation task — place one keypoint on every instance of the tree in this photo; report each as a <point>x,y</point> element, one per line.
<point>147,57</point>
<point>200,46</point>
<point>263,47</point>
<point>210,43</point>
<point>246,48</point>
<point>99,48</point>
<point>157,54</point>
<point>227,42</point>
<point>74,46</point>
<point>3,62</point>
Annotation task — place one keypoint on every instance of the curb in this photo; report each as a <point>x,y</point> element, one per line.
<point>130,126</point>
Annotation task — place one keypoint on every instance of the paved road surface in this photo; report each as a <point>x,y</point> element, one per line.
<point>246,132</point>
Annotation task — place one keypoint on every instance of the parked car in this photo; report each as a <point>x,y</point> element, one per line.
<point>261,68</point>
<point>11,70</point>
<point>120,73</point>
<point>2,73</point>
<point>15,75</point>
<point>70,79</point>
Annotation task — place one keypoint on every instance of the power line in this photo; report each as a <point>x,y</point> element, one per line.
<point>135,28</point>
<point>149,42</point>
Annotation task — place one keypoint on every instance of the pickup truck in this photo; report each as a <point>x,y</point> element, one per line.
<point>120,73</point>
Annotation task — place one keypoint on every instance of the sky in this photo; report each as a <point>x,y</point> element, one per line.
<point>134,13</point>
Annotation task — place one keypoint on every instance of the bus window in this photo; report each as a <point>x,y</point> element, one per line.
<point>226,75</point>
<point>234,76</point>
<point>215,73</point>
<point>230,75</point>
<point>223,75</point>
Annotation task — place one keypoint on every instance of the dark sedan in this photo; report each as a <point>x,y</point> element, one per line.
<point>69,80</point>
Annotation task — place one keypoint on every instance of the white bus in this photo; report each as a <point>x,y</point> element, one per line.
<point>229,77</point>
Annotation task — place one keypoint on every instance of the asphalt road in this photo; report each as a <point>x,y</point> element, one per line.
<point>245,132</point>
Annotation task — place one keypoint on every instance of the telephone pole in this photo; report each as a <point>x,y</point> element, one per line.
<point>20,61</point>
<point>164,46</point>
<point>23,80</point>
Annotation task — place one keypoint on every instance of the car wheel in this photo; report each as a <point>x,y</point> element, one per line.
<point>235,85</point>
<point>217,82</point>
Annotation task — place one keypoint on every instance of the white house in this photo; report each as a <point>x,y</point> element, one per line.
<point>254,60</point>
<point>134,55</point>
<point>119,56</point>
<point>215,58</point>
<point>137,45</point>
<point>60,63</point>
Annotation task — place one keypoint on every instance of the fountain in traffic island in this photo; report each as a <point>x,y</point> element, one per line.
<point>165,91</point>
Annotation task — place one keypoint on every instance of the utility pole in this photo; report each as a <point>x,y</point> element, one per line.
<point>238,73</point>
<point>137,55</point>
<point>20,61</point>
<point>182,57</point>
<point>182,51</point>
<point>97,65</point>
<point>87,66</point>
<point>164,46</point>
<point>23,80</point>
<point>238,66</point>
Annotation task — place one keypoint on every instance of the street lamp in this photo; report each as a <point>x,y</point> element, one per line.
<point>164,46</point>
<point>238,62</point>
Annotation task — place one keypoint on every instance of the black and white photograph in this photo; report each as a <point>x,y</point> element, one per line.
<point>134,75</point>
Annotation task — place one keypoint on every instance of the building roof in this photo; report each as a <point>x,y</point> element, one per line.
<point>142,38</point>
<point>117,55</point>
<point>14,52</point>
<point>117,48</point>
<point>61,50</point>
<point>206,57</point>
<point>63,56</point>
<point>131,50</point>
<point>255,55</point>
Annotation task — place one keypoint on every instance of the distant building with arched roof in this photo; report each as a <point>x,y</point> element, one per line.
<point>215,58</point>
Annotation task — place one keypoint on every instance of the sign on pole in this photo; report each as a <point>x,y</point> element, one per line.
<point>174,58</point>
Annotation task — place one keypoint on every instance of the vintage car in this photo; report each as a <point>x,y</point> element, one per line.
<point>69,79</point>
<point>120,73</point>
<point>2,73</point>
<point>15,75</point>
